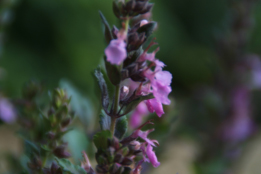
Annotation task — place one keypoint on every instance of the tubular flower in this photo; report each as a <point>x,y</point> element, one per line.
<point>116,51</point>
<point>152,156</point>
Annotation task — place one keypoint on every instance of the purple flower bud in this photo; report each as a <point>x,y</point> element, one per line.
<point>7,111</point>
<point>116,51</point>
<point>86,165</point>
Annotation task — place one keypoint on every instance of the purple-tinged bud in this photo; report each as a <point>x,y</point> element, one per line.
<point>101,169</point>
<point>136,145</point>
<point>127,161</point>
<point>60,152</point>
<point>124,92</point>
<point>35,164</point>
<point>50,135</point>
<point>65,122</point>
<point>51,111</point>
<point>54,168</point>
<point>118,158</point>
<point>114,168</point>
<point>86,165</point>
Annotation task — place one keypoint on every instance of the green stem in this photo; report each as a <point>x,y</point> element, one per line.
<point>116,105</point>
<point>117,92</point>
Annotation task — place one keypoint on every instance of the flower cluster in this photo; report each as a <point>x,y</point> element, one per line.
<point>141,86</point>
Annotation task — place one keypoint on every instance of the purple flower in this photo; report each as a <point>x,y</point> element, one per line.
<point>7,111</point>
<point>160,83</point>
<point>240,125</point>
<point>138,114</point>
<point>116,51</point>
<point>154,105</point>
<point>152,156</point>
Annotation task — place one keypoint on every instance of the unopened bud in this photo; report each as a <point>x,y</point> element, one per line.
<point>124,92</point>
<point>118,158</point>
<point>127,161</point>
<point>60,152</point>
<point>86,165</point>
<point>136,145</point>
<point>143,22</point>
<point>50,135</point>
<point>54,168</point>
<point>66,122</point>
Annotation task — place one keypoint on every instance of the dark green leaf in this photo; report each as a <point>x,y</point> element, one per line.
<point>70,168</point>
<point>31,148</point>
<point>112,72</point>
<point>133,104</point>
<point>107,29</point>
<point>100,139</point>
<point>121,127</point>
<point>148,28</point>
<point>116,9</point>
<point>103,87</point>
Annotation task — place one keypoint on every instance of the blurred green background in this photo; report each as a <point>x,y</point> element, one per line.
<point>54,39</point>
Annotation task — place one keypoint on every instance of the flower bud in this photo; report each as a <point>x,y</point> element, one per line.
<point>136,145</point>
<point>124,92</point>
<point>114,168</point>
<point>118,158</point>
<point>143,22</point>
<point>65,122</point>
<point>101,169</point>
<point>54,168</point>
<point>126,161</point>
<point>50,135</point>
<point>86,165</point>
<point>60,152</point>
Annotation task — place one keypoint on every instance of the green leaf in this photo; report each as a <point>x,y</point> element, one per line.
<point>100,139</point>
<point>116,9</point>
<point>70,168</point>
<point>112,72</point>
<point>31,148</point>
<point>121,127</point>
<point>133,104</point>
<point>103,87</point>
<point>46,148</point>
<point>148,28</point>
<point>107,29</point>
<point>105,121</point>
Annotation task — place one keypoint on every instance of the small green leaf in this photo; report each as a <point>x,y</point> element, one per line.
<point>104,121</point>
<point>133,104</point>
<point>100,139</point>
<point>103,87</point>
<point>70,168</point>
<point>112,72</point>
<point>121,127</point>
<point>107,29</point>
<point>46,148</point>
<point>148,28</point>
<point>31,148</point>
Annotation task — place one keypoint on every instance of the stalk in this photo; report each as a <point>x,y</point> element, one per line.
<point>117,92</point>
